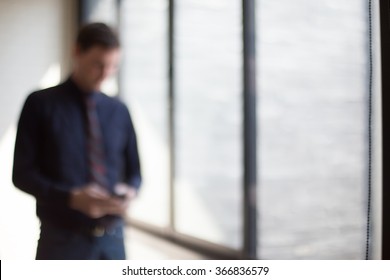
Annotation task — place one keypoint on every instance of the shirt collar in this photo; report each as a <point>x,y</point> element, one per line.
<point>75,90</point>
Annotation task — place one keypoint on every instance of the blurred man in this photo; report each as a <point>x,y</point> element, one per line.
<point>76,153</point>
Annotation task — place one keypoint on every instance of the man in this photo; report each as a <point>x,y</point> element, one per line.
<point>76,153</point>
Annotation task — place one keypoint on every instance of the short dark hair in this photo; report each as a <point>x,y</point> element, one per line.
<point>97,34</point>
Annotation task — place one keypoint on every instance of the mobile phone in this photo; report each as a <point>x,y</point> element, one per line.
<point>121,196</point>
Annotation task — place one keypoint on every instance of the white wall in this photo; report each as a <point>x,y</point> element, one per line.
<point>35,41</point>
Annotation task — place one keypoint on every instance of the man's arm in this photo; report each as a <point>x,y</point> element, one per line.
<point>132,162</point>
<point>27,175</point>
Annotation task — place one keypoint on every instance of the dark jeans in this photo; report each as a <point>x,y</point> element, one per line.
<point>56,243</point>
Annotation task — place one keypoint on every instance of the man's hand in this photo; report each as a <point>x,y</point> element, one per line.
<point>95,202</point>
<point>125,191</point>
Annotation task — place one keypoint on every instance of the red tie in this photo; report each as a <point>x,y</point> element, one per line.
<point>95,146</point>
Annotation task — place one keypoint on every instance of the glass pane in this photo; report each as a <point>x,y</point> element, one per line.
<point>312,123</point>
<point>144,86</point>
<point>104,11</point>
<point>208,121</point>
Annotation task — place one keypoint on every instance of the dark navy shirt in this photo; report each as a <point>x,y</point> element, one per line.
<point>50,151</point>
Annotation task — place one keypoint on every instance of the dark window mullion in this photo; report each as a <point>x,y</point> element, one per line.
<point>385,56</point>
<point>250,128</point>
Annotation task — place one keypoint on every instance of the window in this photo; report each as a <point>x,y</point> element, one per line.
<point>208,181</point>
<point>312,120</point>
<point>144,85</point>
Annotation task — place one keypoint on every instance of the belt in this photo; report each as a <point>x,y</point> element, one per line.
<point>92,231</point>
<point>99,231</point>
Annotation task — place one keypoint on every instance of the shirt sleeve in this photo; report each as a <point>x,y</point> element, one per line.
<point>26,168</point>
<point>132,166</point>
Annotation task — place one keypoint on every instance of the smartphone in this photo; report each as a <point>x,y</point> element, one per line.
<point>121,196</point>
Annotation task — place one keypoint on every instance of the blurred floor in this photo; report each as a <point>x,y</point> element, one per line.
<point>143,246</point>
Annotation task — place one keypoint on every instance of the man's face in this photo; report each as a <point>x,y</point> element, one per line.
<point>94,65</point>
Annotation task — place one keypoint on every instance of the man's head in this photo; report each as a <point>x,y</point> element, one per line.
<point>96,55</point>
